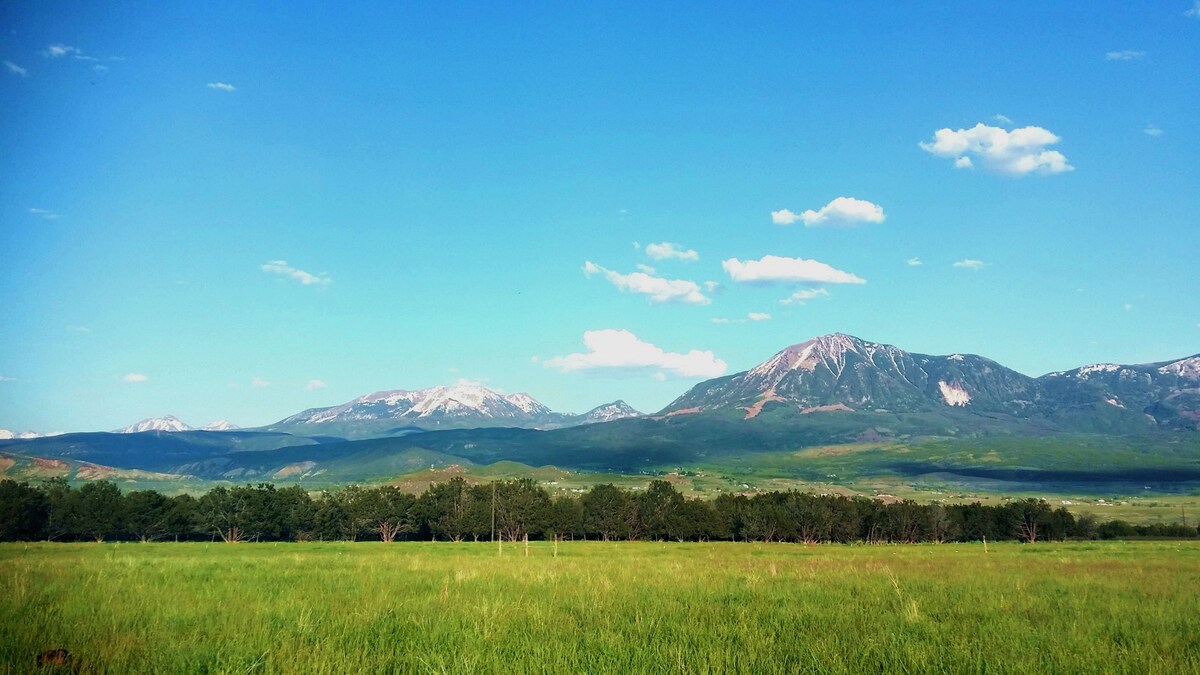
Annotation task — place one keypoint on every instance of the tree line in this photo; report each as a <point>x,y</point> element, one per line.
<point>516,509</point>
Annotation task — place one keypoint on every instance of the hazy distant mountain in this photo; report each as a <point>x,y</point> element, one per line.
<point>843,373</point>
<point>1168,391</point>
<point>463,405</point>
<point>164,423</point>
<point>220,425</point>
<point>608,412</point>
<point>7,435</point>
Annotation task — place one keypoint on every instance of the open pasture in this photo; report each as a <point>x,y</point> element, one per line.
<point>603,607</point>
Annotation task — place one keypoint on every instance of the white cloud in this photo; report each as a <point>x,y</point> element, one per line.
<point>621,350</point>
<point>1194,12</point>
<point>59,50</point>
<point>758,316</point>
<point>1002,119</point>
<point>5,378</point>
<point>668,251</point>
<point>1153,130</point>
<point>44,214</point>
<point>134,378</point>
<point>15,69</point>
<point>712,286</point>
<point>100,69</point>
<point>779,269</point>
<point>1017,152</point>
<point>784,217</point>
<point>646,268</point>
<point>221,86</point>
<point>660,290</point>
<point>79,329</point>
<point>314,385</point>
<point>804,295</point>
<point>1124,55</point>
<point>722,321</point>
<point>840,211</point>
<point>970,264</point>
<point>913,262</point>
<point>282,268</point>
<point>259,382</point>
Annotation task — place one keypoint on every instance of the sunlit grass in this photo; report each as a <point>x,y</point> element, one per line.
<point>600,607</point>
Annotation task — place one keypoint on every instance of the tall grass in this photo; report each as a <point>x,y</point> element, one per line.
<point>598,607</point>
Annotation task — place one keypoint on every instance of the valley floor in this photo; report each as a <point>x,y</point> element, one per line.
<point>603,607</point>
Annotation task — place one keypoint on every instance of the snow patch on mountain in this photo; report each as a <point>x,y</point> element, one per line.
<point>1098,368</point>
<point>954,394</point>
<point>220,425</point>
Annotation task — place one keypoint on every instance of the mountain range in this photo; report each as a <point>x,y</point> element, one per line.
<point>832,389</point>
<point>842,372</point>
<point>464,405</point>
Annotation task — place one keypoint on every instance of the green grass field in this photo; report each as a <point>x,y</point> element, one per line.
<point>1130,607</point>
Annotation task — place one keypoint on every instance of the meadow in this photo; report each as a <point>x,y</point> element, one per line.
<point>337,607</point>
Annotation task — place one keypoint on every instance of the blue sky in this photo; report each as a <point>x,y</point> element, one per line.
<point>440,177</point>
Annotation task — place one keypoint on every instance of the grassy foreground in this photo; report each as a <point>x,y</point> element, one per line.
<point>598,607</point>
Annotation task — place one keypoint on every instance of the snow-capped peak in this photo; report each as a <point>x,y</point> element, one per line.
<point>527,403</point>
<point>164,423</point>
<point>1188,368</point>
<point>611,411</point>
<point>462,401</point>
<point>8,435</point>
<point>220,425</point>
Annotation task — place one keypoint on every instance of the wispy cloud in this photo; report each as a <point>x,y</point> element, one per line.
<point>841,211</point>
<point>44,214</point>
<point>803,295</point>
<point>5,378</point>
<point>314,385</point>
<point>1017,153</point>
<point>970,264</point>
<point>668,251</point>
<point>15,69</point>
<point>1153,130</point>
<point>779,269</point>
<point>283,269</point>
<point>658,289</point>
<point>1124,55</point>
<point>221,86</point>
<point>257,381</point>
<point>913,262</point>
<point>79,329</point>
<point>134,378</point>
<point>1194,12</point>
<point>1002,119</point>
<point>618,351</point>
<point>752,316</point>
<point>59,50</point>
